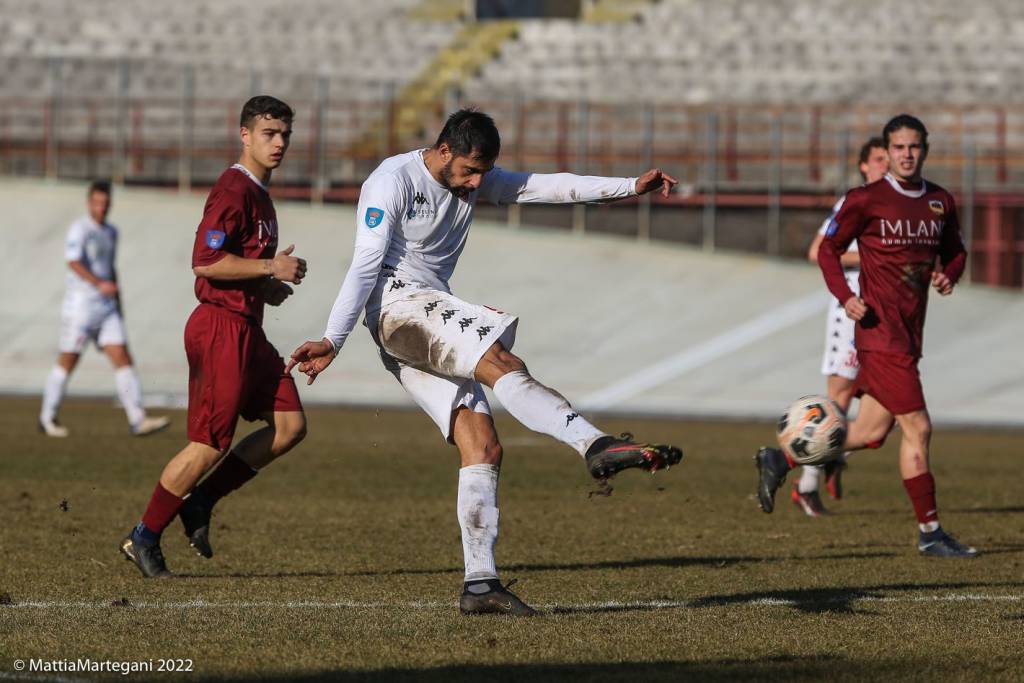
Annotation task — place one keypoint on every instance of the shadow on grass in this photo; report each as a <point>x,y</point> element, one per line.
<point>717,561</point>
<point>779,667</point>
<point>1009,509</point>
<point>838,600</point>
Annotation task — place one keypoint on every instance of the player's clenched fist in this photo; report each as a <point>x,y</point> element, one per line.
<point>288,268</point>
<point>942,284</point>
<point>855,307</point>
<point>312,358</point>
<point>275,291</point>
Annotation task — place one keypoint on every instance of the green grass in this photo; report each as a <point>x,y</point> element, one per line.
<point>364,512</point>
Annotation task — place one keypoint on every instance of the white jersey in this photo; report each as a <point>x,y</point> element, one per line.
<point>828,221</point>
<point>95,245</point>
<point>411,228</point>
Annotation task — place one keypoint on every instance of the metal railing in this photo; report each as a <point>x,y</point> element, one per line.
<point>778,167</point>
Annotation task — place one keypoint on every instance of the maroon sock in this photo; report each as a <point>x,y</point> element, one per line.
<point>921,490</point>
<point>229,475</point>
<point>162,508</point>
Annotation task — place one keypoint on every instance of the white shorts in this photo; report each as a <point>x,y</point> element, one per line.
<point>102,326</point>
<point>432,341</point>
<point>840,349</point>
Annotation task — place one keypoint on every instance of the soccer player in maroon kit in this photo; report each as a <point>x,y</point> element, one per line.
<point>233,370</point>
<point>909,238</point>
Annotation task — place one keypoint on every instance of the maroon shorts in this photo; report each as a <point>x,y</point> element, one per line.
<point>232,370</point>
<point>892,379</point>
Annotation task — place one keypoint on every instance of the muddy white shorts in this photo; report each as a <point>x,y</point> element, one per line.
<point>840,350</point>
<point>432,341</point>
<point>103,326</point>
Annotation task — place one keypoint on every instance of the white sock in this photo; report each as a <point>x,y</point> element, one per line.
<point>477,508</point>
<point>928,527</point>
<point>545,410</point>
<point>129,390</point>
<point>53,393</point>
<point>810,478</point>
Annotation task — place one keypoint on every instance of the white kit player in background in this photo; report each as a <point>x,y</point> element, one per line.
<point>414,215</point>
<point>839,363</point>
<point>92,312</point>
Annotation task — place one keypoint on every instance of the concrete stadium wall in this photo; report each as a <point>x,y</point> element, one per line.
<point>615,325</point>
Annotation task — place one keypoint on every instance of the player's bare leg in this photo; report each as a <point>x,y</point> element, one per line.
<point>53,394</point>
<point>283,432</point>
<point>920,486</point>
<point>477,507</point>
<point>544,410</point>
<point>142,545</point>
<point>129,390</point>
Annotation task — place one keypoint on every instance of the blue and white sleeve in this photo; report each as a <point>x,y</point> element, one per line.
<point>380,207</point>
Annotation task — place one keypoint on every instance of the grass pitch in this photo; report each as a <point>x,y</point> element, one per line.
<point>342,561</point>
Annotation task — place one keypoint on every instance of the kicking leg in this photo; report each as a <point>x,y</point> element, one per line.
<point>283,432</point>
<point>477,508</point>
<point>544,410</point>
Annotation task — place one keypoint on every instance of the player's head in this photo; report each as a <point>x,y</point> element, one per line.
<point>906,141</point>
<point>468,147</point>
<point>266,130</point>
<point>874,160</point>
<point>98,200</point>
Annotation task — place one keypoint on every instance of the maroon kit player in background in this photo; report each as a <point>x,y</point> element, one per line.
<point>233,370</point>
<point>901,224</point>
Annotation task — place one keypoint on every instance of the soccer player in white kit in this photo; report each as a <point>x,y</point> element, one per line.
<point>839,363</point>
<point>92,312</point>
<point>413,219</point>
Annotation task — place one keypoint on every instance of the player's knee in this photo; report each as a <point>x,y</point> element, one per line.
<point>510,362</point>
<point>493,453</point>
<point>917,427</point>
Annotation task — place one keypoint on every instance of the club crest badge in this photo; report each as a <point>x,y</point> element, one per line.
<point>936,206</point>
<point>374,217</point>
<point>215,239</point>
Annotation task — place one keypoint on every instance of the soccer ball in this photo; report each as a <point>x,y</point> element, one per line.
<point>812,430</point>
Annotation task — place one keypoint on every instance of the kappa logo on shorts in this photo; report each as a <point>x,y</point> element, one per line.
<point>464,323</point>
<point>429,308</point>
<point>215,239</point>
<point>397,284</point>
<point>483,331</point>
<point>936,206</point>
<point>570,417</point>
<point>448,315</point>
<point>373,217</point>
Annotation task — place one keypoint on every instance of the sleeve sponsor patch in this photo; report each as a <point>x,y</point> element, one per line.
<point>374,217</point>
<point>215,239</point>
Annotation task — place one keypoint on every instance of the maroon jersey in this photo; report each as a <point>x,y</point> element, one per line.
<point>239,219</point>
<point>899,233</point>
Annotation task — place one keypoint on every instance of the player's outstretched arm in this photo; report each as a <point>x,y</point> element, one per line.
<point>283,267</point>
<point>312,358</point>
<point>517,187</point>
